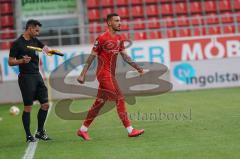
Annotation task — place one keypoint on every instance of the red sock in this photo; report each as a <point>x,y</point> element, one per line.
<point>122,113</point>
<point>93,112</point>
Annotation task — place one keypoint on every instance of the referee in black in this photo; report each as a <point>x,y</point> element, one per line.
<point>29,79</point>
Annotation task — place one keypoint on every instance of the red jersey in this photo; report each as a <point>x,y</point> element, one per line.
<point>107,47</point>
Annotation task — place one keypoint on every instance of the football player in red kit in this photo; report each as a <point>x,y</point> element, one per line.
<point>106,48</point>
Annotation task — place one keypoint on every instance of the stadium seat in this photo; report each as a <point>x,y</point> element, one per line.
<point>137,11</point>
<point>125,36</point>
<point>212,18</point>
<point>229,29</point>
<point>177,0</point>
<point>106,3</point>
<point>7,21</point>
<point>136,2</point>
<point>183,32</point>
<point>106,11</point>
<point>195,7</point>
<point>171,33</point>
<point>237,4</point>
<point>95,28</point>
<point>92,3</point>
<point>140,35</point>
<point>166,1</point>
<point>139,24</point>
<point>7,33</point>
<point>93,14</point>
<point>6,8</point>
<point>166,9</point>
<point>197,19</point>
<point>210,6</point>
<point>122,2</point>
<point>198,31</point>
<point>225,5</point>
<point>152,10</point>
<point>124,25</point>
<point>153,23</point>
<point>123,12</point>
<point>154,35</point>
<point>213,30</point>
<point>238,17</point>
<point>151,1</point>
<point>181,8</point>
<point>168,21</point>
<point>6,1</point>
<point>6,45</point>
<point>182,21</point>
<point>227,18</point>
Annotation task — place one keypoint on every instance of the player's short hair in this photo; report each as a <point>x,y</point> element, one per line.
<point>109,16</point>
<point>32,22</point>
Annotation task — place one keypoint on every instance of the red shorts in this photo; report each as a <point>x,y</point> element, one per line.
<point>108,89</point>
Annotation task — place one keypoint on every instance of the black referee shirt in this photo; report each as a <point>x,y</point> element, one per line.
<point>19,49</point>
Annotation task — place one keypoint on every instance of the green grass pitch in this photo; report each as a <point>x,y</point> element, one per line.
<point>206,125</point>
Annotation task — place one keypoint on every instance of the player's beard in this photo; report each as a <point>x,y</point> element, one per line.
<point>117,28</point>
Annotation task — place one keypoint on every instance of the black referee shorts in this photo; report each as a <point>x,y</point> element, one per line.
<point>32,88</point>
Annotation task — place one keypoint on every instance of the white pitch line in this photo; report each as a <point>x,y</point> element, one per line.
<point>32,146</point>
<point>30,151</point>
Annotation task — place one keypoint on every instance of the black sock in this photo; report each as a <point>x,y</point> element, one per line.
<point>42,115</point>
<point>26,122</point>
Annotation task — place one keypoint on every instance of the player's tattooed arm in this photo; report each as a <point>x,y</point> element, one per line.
<point>87,64</point>
<point>128,59</point>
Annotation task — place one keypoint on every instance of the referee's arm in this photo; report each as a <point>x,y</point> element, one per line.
<point>12,61</point>
<point>45,48</point>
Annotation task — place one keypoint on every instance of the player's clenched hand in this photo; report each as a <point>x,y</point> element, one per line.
<point>26,59</point>
<point>140,71</point>
<point>81,79</point>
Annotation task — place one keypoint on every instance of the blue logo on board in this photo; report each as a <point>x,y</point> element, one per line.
<point>183,72</point>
